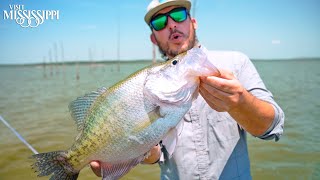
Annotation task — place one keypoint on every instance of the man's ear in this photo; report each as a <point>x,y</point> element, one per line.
<point>194,22</point>
<point>153,39</point>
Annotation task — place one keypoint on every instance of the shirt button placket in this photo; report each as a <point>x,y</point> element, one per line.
<point>202,154</point>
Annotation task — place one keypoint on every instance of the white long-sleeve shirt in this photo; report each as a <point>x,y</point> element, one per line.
<point>210,144</point>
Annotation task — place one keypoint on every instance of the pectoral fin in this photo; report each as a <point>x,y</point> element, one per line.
<point>153,116</point>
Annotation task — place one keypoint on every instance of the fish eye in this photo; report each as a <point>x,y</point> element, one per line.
<point>174,62</point>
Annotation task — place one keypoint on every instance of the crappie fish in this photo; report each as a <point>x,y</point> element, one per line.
<point>118,126</point>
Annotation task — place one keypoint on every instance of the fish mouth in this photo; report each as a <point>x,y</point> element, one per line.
<point>202,67</point>
<point>178,94</point>
<point>176,83</point>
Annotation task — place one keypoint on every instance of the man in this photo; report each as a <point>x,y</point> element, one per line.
<point>210,141</point>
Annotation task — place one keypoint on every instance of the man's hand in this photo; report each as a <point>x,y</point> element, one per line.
<point>222,93</point>
<point>96,168</point>
<point>154,156</point>
<point>226,94</point>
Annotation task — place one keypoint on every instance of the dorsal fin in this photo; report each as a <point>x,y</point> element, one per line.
<point>79,107</point>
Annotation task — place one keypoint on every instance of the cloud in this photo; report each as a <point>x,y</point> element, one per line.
<point>89,27</point>
<point>275,41</point>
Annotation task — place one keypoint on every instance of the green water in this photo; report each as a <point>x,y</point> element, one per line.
<point>37,107</point>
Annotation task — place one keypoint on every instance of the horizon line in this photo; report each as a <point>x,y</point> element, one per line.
<point>141,60</point>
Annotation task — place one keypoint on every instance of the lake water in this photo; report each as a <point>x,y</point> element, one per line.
<point>37,107</point>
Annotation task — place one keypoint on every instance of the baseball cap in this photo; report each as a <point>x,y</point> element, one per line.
<point>157,5</point>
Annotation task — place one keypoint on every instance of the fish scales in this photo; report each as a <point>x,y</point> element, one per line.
<point>119,125</point>
<point>119,102</point>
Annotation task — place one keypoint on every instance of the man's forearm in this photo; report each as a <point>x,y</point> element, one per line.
<point>253,114</point>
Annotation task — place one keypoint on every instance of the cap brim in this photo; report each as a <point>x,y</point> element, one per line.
<point>153,11</point>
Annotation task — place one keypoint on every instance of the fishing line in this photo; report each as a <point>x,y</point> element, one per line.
<point>18,135</point>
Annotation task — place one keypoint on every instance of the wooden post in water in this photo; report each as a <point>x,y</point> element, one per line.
<point>62,60</point>
<point>50,63</point>
<point>44,67</point>
<point>90,59</point>
<point>77,71</point>
<point>118,47</point>
<point>55,51</point>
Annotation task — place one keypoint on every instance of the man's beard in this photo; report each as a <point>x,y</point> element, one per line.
<point>166,51</point>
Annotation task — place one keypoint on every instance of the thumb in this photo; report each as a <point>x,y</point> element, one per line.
<point>96,168</point>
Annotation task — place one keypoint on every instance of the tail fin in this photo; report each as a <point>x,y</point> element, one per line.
<point>54,163</point>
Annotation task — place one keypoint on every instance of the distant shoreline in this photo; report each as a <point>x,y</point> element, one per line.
<point>134,61</point>
<point>79,63</point>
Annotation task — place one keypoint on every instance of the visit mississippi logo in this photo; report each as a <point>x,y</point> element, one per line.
<point>29,18</point>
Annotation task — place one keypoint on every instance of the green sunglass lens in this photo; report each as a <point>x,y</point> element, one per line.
<point>159,22</point>
<point>179,15</point>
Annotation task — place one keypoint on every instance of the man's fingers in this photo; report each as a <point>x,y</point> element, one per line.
<point>222,84</point>
<point>214,102</point>
<point>215,88</point>
<point>96,168</point>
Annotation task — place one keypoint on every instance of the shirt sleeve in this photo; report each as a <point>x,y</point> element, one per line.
<point>250,79</point>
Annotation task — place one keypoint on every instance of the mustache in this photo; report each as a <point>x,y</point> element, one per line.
<point>175,31</point>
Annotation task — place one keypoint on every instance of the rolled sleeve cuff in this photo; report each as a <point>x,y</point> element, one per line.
<point>276,128</point>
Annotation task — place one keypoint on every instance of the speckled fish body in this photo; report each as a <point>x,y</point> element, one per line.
<point>119,125</point>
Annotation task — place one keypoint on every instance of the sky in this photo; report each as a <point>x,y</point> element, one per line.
<point>89,29</point>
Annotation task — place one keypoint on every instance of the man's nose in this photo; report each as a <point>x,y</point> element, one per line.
<point>171,23</point>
